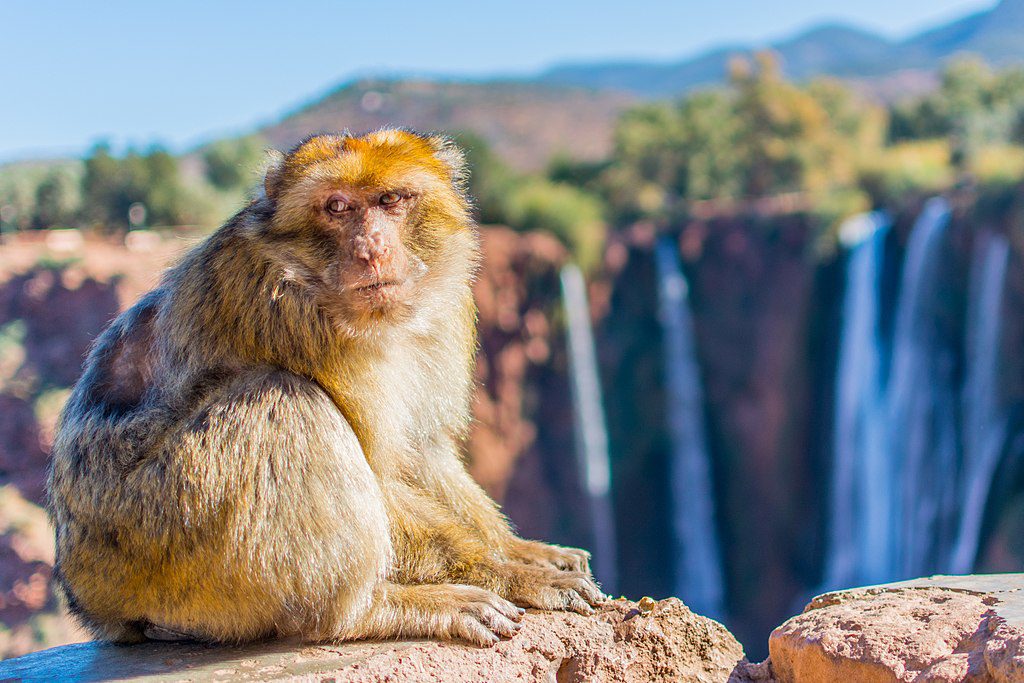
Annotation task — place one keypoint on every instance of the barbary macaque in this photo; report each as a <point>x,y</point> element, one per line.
<point>268,443</point>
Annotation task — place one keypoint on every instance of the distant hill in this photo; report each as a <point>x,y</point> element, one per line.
<point>832,49</point>
<point>571,109</point>
<point>525,123</point>
<point>996,34</point>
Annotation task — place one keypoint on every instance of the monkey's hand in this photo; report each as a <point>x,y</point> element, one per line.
<point>549,588</point>
<point>474,614</point>
<point>548,555</point>
<point>448,611</point>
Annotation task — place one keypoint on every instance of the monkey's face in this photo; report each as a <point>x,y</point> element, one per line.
<point>374,221</point>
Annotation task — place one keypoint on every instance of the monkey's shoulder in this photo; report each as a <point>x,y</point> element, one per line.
<point>121,364</point>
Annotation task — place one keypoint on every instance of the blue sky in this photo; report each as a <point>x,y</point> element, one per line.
<point>181,72</point>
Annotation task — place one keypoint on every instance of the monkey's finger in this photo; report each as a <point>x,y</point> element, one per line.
<point>469,628</point>
<point>577,604</point>
<point>568,563</point>
<point>500,624</point>
<point>590,592</point>
<point>506,608</point>
<point>584,585</point>
<point>584,562</point>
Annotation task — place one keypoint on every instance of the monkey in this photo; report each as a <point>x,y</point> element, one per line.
<point>269,443</point>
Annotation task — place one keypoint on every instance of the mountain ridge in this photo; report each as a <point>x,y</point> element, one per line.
<point>832,48</point>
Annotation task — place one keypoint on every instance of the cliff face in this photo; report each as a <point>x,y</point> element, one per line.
<point>752,289</point>
<point>522,448</point>
<point>767,310</point>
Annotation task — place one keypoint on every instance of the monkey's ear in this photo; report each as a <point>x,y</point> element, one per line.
<point>274,174</point>
<point>452,157</point>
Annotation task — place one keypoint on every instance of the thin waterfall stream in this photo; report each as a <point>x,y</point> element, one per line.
<point>591,430</point>
<point>699,576</point>
<point>861,540</point>
<point>984,418</point>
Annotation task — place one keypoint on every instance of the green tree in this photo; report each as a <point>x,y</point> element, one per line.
<point>102,186</point>
<point>110,186</point>
<point>757,136</point>
<point>57,200</point>
<point>232,164</point>
<point>786,140</point>
<point>571,214</point>
<point>973,107</point>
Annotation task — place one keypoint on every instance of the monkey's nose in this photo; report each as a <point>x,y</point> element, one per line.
<point>371,247</point>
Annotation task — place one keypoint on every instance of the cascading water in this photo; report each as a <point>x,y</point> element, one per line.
<point>915,451</point>
<point>922,417</point>
<point>699,579</point>
<point>591,433</point>
<point>861,539</point>
<point>984,418</point>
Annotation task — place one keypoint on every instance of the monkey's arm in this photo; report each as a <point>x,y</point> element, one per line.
<point>434,543</point>
<point>459,492</point>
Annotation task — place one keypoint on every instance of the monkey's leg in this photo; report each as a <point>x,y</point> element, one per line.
<point>258,515</point>
<point>434,546</point>
<point>437,611</point>
<point>471,503</point>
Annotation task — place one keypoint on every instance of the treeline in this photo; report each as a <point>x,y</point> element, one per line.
<point>834,150</point>
<point>150,188</point>
<point>757,136</point>
<point>762,136</point>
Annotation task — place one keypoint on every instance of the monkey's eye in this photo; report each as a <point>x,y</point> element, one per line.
<point>390,198</point>
<point>336,206</point>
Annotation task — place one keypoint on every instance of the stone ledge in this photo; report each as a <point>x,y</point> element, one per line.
<point>942,628</point>
<point>625,642</point>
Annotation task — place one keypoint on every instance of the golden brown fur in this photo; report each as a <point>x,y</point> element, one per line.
<point>268,442</point>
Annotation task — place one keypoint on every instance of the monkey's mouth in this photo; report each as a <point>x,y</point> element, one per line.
<point>380,286</point>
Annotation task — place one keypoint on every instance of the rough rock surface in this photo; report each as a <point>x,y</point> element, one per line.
<point>943,628</point>
<point>625,641</point>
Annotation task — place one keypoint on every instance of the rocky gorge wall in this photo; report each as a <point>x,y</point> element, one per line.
<point>767,292</point>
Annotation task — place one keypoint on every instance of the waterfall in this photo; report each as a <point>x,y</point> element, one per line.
<point>915,449</point>
<point>861,541</point>
<point>984,419</point>
<point>591,433</point>
<point>698,563</point>
<point>922,404</point>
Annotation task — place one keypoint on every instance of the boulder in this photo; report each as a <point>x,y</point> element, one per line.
<point>625,641</point>
<point>943,628</point>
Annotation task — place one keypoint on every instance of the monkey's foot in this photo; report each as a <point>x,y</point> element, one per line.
<point>450,611</point>
<point>553,589</point>
<point>549,555</point>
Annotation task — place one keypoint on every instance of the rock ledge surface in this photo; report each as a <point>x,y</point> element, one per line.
<point>625,641</point>
<point>943,628</point>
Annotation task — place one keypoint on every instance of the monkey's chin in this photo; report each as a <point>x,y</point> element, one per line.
<point>367,310</point>
<point>382,297</point>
